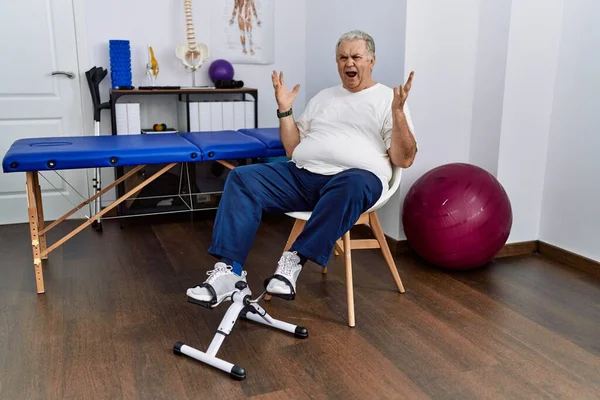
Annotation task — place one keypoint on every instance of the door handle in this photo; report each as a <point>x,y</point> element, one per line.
<point>71,75</point>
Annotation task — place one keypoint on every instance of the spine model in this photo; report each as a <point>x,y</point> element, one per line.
<point>191,54</point>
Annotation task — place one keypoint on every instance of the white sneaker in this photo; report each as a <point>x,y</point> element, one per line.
<point>283,282</point>
<point>219,286</point>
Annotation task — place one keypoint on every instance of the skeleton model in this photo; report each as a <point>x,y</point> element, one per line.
<point>245,9</point>
<point>191,54</point>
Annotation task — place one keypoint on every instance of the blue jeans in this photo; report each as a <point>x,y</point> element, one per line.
<point>336,202</point>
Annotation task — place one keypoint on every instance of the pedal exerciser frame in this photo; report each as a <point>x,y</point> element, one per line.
<point>242,307</point>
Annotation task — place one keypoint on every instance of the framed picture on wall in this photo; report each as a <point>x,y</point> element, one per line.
<point>242,31</point>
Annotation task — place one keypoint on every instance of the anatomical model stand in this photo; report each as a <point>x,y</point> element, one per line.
<point>242,306</point>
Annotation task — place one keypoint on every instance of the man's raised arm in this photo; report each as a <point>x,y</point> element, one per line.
<point>288,130</point>
<point>290,135</point>
<point>403,144</point>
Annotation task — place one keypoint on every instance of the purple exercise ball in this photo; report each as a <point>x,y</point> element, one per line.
<point>220,70</point>
<point>457,216</point>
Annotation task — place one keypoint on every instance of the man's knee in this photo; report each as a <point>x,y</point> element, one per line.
<point>243,173</point>
<point>251,176</point>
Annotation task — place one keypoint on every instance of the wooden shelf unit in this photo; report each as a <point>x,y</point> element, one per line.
<point>186,94</point>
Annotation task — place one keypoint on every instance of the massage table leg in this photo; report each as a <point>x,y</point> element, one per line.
<point>34,218</point>
<point>40,213</point>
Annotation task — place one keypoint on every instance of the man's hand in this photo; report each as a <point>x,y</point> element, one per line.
<point>403,147</point>
<point>285,98</point>
<point>288,130</point>
<point>401,94</point>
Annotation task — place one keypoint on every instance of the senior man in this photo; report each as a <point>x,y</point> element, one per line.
<point>341,150</point>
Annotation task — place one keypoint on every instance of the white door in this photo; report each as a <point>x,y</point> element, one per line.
<point>37,37</point>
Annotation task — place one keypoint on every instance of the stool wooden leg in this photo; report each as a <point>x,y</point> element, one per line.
<point>379,235</point>
<point>32,208</point>
<point>296,230</point>
<point>349,282</point>
<point>337,249</point>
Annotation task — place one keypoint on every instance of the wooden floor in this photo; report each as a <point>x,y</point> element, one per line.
<point>522,328</point>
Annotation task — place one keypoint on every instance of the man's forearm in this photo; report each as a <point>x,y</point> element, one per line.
<point>290,135</point>
<point>403,146</point>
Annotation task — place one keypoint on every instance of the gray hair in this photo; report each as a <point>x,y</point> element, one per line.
<point>358,35</point>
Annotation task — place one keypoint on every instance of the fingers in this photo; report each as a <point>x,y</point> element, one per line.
<point>408,83</point>
<point>278,81</point>
<point>401,92</point>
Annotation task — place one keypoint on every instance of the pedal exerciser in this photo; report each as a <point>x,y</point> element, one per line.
<point>242,306</point>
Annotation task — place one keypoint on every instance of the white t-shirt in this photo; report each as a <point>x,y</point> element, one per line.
<point>340,130</point>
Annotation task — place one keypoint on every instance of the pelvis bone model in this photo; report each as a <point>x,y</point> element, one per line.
<point>191,54</point>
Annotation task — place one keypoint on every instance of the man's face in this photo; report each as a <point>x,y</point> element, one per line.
<point>354,64</point>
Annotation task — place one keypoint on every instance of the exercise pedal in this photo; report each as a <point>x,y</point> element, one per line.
<point>242,306</point>
<point>206,304</point>
<point>286,296</point>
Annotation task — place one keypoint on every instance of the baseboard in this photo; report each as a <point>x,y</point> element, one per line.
<point>518,249</point>
<point>526,248</point>
<point>402,247</point>
<point>509,250</point>
<point>569,258</point>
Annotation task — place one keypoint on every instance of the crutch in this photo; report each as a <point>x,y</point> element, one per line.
<point>94,76</point>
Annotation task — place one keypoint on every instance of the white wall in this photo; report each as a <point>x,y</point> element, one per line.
<point>323,31</point>
<point>161,25</point>
<point>532,99</point>
<point>326,20</point>
<point>441,47</point>
<point>570,216</point>
<point>501,89</point>
<point>492,49</point>
<point>528,94</point>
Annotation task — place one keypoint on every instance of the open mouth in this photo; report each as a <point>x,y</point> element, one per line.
<point>351,74</point>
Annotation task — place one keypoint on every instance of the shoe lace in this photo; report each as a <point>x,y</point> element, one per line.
<point>287,265</point>
<point>219,270</point>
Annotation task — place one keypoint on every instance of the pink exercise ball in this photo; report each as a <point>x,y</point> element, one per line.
<point>457,216</point>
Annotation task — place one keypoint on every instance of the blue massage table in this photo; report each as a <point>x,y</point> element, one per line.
<point>81,152</point>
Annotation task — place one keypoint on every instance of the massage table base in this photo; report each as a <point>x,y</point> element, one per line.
<point>242,306</point>
<point>36,215</point>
